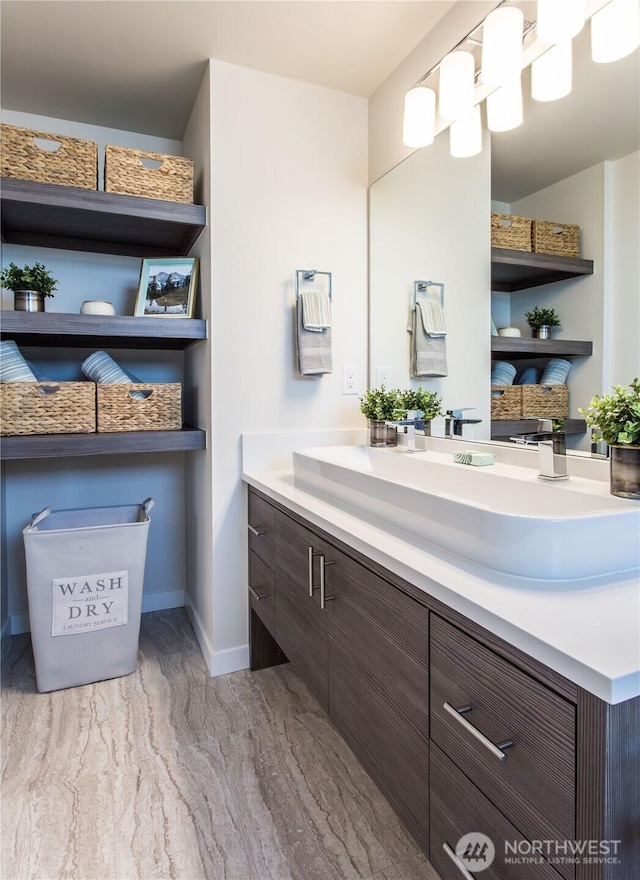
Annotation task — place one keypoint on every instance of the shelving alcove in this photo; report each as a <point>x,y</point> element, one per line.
<point>47,215</point>
<point>512,271</point>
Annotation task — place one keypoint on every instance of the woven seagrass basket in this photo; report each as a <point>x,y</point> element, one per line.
<point>160,410</point>
<point>557,239</point>
<point>134,173</point>
<point>23,155</point>
<point>509,231</point>
<point>506,402</point>
<point>47,408</point>
<point>545,401</point>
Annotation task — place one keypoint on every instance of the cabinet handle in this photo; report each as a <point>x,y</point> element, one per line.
<point>494,749</point>
<point>257,532</point>
<point>456,861</point>
<point>312,553</point>
<point>256,594</point>
<point>323,596</point>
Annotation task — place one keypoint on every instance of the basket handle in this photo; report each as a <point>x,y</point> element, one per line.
<point>150,164</point>
<point>38,517</point>
<point>505,222</point>
<point>47,390</point>
<point>135,395</point>
<point>558,230</point>
<point>46,145</point>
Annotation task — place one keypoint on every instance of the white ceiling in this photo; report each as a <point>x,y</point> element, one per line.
<point>137,65</point>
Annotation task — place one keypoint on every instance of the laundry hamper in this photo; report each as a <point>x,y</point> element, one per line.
<point>85,571</point>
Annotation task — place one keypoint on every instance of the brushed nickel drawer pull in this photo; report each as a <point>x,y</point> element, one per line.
<point>456,861</point>
<point>323,596</point>
<point>256,594</point>
<point>494,749</point>
<point>312,553</point>
<point>257,532</point>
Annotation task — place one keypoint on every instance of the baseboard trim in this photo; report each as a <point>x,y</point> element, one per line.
<point>19,623</point>
<point>218,662</point>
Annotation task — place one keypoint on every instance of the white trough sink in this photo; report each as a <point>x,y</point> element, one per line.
<point>500,516</point>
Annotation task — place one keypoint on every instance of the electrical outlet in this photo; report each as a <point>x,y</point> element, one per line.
<point>383,377</point>
<point>350,380</point>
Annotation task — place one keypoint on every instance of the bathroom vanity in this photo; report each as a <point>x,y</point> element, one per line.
<point>462,729</point>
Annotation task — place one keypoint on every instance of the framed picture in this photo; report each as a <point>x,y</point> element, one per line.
<point>167,287</point>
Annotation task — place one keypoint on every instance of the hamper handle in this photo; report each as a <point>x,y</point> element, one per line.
<point>38,517</point>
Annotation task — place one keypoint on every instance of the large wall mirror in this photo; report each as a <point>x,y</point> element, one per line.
<point>575,160</point>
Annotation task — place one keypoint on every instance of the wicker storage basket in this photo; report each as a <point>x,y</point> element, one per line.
<point>506,402</point>
<point>125,172</point>
<point>73,163</point>
<point>558,239</point>
<point>545,402</point>
<point>161,410</point>
<point>47,408</point>
<point>509,231</point>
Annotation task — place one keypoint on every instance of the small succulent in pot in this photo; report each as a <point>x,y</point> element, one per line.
<point>541,320</point>
<point>424,401</point>
<point>380,405</point>
<point>31,285</point>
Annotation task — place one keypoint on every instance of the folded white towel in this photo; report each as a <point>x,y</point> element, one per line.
<point>313,348</point>
<point>432,316</point>
<point>316,310</point>
<point>13,366</point>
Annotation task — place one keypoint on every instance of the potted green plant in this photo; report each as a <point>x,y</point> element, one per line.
<point>421,400</point>
<point>31,285</point>
<point>616,419</point>
<point>381,406</point>
<point>541,321</point>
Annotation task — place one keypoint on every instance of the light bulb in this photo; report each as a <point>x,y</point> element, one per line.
<point>502,46</point>
<point>560,20</point>
<point>615,31</point>
<point>551,73</point>
<point>419,117</point>
<point>457,80</point>
<point>504,107</point>
<point>465,134</point>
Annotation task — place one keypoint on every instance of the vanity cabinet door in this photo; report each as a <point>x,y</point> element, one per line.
<point>479,703</point>
<point>378,685</point>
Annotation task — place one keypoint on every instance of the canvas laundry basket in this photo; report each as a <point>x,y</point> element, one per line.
<point>85,572</point>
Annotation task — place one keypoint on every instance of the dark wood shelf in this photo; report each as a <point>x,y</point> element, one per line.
<point>506,428</point>
<point>61,445</point>
<point>46,215</point>
<point>518,270</point>
<point>518,348</point>
<point>99,331</point>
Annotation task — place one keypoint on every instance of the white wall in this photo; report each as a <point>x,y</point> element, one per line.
<point>625,276</point>
<point>288,191</point>
<point>429,221</point>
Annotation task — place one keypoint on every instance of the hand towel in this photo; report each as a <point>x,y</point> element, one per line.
<point>316,310</point>
<point>313,348</point>
<point>428,354</point>
<point>13,366</point>
<point>432,316</point>
<point>101,368</point>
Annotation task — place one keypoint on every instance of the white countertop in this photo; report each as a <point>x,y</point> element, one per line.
<point>587,630</point>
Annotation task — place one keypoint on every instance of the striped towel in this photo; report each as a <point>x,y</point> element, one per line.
<point>432,316</point>
<point>316,310</point>
<point>100,367</point>
<point>13,367</point>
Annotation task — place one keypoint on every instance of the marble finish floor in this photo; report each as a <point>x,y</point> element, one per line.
<point>170,774</point>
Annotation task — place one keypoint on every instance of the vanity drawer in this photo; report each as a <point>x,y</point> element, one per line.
<point>262,591</point>
<point>262,529</point>
<point>458,808</point>
<point>533,780</point>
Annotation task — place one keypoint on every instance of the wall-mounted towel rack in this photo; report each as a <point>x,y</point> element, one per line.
<point>303,275</point>
<point>423,286</point>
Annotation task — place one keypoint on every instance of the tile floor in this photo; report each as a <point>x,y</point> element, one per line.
<point>168,773</point>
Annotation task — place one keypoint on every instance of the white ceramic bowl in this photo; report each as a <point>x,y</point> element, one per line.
<point>97,307</point>
<point>508,331</point>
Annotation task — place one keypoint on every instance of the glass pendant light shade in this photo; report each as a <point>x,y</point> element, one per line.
<point>502,46</point>
<point>465,134</point>
<point>551,73</point>
<point>560,20</point>
<point>615,31</point>
<point>457,80</point>
<point>419,117</point>
<point>504,107</point>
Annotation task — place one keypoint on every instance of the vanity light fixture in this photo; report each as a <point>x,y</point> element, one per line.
<point>502,46</point>
<point>551,73</point>
<point>504,106</point>
<point>615,31</point>
<point>457,84</point>
<point>465,134</point>
<point>560,20</point>
<point>419,117</point>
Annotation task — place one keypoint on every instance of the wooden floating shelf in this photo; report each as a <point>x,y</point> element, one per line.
<point>517,348</point>
<point>46,215</point>
<point>100,331</point>
<point>519,270</point>
<point>126,442</point>
<point>506,428</point>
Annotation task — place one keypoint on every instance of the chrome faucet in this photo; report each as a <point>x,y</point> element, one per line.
<point>410,425</point>
<point>456,420</point>
<point>552,450</point>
